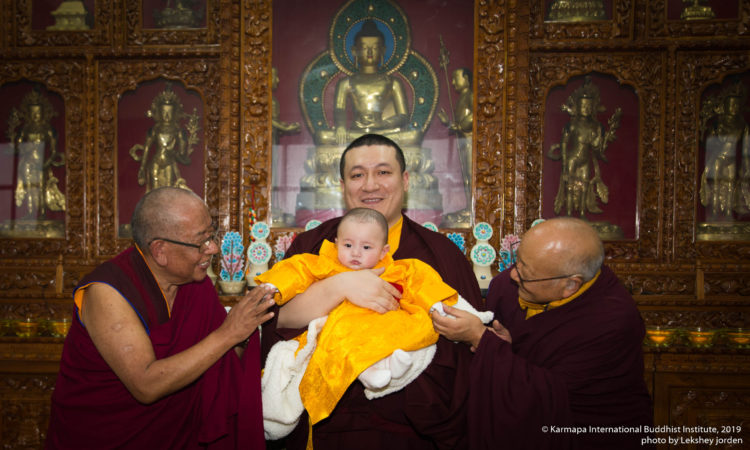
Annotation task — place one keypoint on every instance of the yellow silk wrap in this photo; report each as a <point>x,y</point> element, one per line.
<point>354,338</point>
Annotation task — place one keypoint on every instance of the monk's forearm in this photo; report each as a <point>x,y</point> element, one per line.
<point>165,376</point>
<point>317,301</point>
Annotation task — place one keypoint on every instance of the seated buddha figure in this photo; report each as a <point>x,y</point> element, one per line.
<point>378,101</point>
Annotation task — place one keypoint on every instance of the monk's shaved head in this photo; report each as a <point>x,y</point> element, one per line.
<point>564,245</point>
<point>161,213</point>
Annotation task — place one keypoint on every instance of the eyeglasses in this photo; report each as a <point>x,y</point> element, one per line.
<point>518,274</point>
<point>202,247</point>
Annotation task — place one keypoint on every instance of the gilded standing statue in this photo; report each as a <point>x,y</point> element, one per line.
<point>583,144</point>
<point>725,185</point>
<point>166,143</point>
<point>36,185</point>
<point>463,126</point>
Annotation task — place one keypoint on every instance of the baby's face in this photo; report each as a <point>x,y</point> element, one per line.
<point>360,245</point>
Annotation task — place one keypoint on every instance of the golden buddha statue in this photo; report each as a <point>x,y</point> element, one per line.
<point>378,100</point>
<point>583,144</point>
<point>370,62</point>
<point>36,185</point>
<point>725,186</point>
<point>462,125</point>
<point>170,144</point>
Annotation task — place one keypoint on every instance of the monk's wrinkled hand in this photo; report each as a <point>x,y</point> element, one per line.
<point>249,312</point>
<point>462,327</point>
<point>365,288</point>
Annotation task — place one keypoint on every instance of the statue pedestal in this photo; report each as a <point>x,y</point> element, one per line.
<point>32,228</point>
<point>723,231</point>
<point>607,231</point>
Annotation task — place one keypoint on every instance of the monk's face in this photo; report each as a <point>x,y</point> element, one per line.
<point>538,271</point>
<point>373,179</point>
<point>186,263</point>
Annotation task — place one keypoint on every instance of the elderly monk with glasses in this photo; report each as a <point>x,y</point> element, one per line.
<point>152,357</point>
<point>564,352</point>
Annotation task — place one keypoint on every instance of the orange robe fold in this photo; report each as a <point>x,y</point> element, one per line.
<point>354,338</point>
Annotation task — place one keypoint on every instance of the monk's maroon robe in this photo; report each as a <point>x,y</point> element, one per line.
<point>91,408</point>
<point>576,365</point>
<point>430,412</point>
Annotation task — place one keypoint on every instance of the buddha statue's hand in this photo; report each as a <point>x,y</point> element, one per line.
<point>142,176</point>
<point>443,116</point>
<point>341,136</point>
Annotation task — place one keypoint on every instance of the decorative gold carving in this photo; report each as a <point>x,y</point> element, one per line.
<point>70,16</point>
<point>99,34</point>
<point>645,73</point>
<point>64,78</point>
<point>715,319</point>
<point>699,363</point>
<point>696,11</point>
<point>170,144</point>
<point>657,24</point>
<point>498,145</point>
<point>115,78</point>
<point>694,72</point>
<point>35,142</point>
<point>24,421</point>
<point>254,110</point>
<point>725,184</point>
<point>194,37</point>
<point>582,146</point>
<point>555,33</point>
<point>576,11</point>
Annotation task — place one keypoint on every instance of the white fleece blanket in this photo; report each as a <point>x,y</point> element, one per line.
<point>282,404</point>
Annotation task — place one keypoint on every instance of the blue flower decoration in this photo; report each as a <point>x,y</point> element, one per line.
<point>260,230</point>
<point>231,244</point>
<point>232,261</point>
<point>482,231</point>
<point>259,253</point>
<point>483,254</point>
<point>458,239</point>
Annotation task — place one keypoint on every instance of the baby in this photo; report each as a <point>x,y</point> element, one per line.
<point>356,342</point>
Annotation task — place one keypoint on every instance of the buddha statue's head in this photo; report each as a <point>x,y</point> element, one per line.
<point>585,106</point>
<point>461,79</point>
<point>35,113</point>
<point>369,47</point>
<point>735,97</point>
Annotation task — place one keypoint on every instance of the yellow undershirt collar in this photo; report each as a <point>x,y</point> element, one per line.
<point>532,309</point>
<point>394,235</point>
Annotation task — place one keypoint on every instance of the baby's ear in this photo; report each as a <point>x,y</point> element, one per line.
<point>386,249</point>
